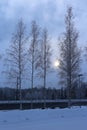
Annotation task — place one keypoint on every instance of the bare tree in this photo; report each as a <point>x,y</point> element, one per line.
<point>45,59</point>
<point>33,54</point>
<point>69,54</point>
<point>85,52</point>
<point>16,56</point>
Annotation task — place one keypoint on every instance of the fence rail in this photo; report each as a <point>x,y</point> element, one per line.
<point>26,104</point>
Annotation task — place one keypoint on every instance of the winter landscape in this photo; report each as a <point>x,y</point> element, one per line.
<point>44,119</point>
<point>43,65</point>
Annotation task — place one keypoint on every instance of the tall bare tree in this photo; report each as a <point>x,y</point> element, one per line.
<point>16,56</point>
<point>33,54</point>
<point>45,58</point>
<point>69,54</point>
<point>86,52</point>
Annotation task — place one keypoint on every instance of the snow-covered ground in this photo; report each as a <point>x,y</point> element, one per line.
<point>47,119</point>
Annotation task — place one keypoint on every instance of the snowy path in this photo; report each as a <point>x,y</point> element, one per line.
<point>49,119</point>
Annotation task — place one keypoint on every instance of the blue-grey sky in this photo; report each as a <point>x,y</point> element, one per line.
<point>47,13</point>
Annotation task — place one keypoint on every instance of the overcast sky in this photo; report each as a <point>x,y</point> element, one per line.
<point>47,13</point>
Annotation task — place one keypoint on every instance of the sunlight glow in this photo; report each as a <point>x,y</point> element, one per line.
<point>56,63</point>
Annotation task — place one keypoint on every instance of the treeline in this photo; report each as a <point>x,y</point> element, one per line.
<point>50,93</point>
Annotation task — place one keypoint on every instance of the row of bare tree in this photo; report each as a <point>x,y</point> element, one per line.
<point>27,54</point>
<point>32,54</point>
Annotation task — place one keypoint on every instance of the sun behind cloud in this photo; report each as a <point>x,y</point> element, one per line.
<point>56,63</point>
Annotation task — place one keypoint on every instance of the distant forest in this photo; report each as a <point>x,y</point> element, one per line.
<point>37,93</point>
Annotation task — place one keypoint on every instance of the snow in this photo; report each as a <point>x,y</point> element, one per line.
<point>44,119</point>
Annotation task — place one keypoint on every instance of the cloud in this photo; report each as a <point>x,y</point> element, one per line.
<point>47,13</point>
<point>10,8</point>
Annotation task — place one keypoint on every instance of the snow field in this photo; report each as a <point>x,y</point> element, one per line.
<point>44,119</point>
